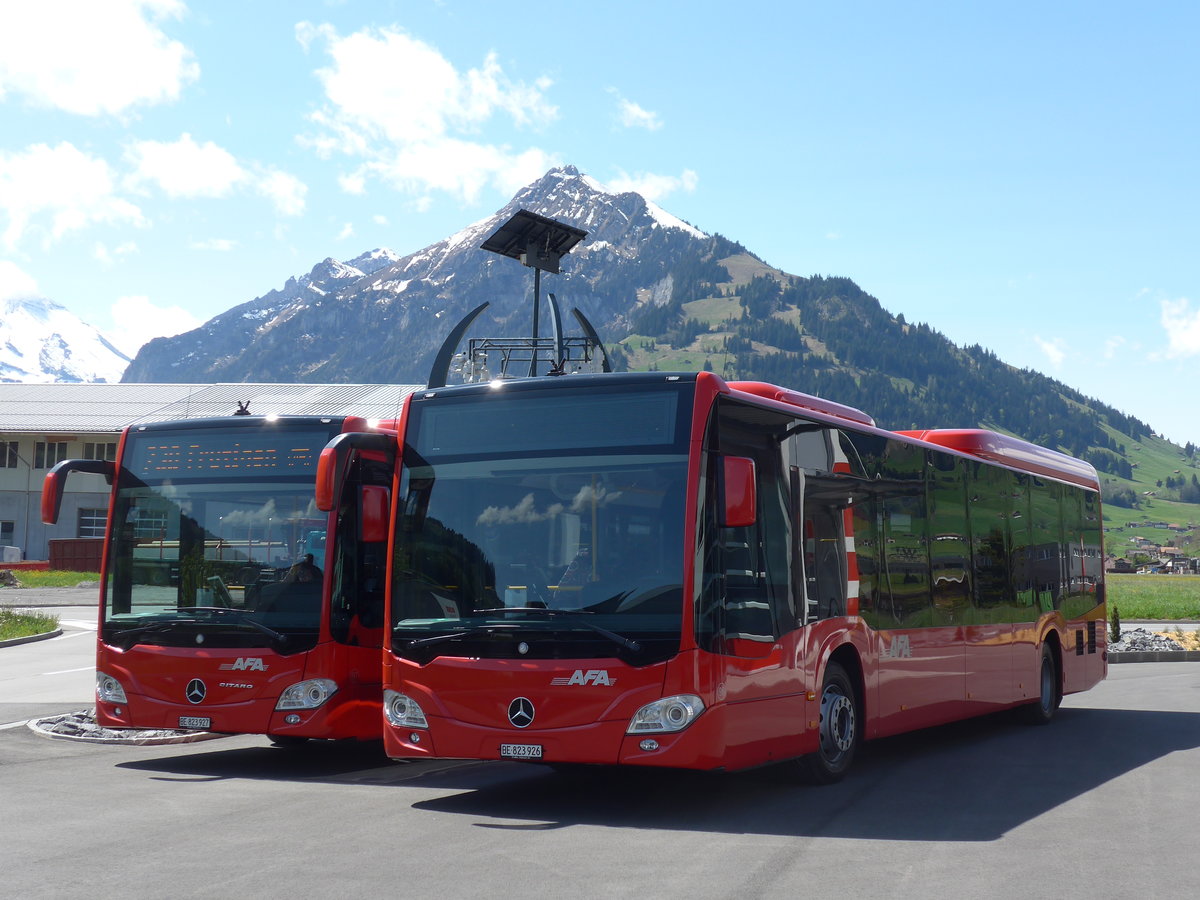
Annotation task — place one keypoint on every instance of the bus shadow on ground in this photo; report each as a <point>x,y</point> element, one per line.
<point>969,781</point>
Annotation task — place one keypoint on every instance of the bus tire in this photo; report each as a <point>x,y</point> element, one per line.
<point>838,729</point>
<point>1042,710</point>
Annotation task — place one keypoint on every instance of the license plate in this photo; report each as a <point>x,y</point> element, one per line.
<point>194,722</point>
<point>521,751</point>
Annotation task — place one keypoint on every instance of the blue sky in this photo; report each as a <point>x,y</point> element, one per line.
<point>1019,175</point>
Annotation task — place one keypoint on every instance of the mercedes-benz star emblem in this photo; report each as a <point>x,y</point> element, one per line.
<point>196,690</point>
<point>520,713</point>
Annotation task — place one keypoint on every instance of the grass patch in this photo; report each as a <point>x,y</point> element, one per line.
<point>15,624</point>
<point>1154,597</point>
<point>34,578</point>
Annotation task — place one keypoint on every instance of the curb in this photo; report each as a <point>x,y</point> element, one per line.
<point>1137,656</point>
<point>144,738</point>
<point>44,636</point>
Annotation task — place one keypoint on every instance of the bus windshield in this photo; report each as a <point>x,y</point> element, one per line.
<point>216,539</point>
<point>576,553</point>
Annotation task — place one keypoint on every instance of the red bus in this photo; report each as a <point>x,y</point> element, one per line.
<point>228,601</point>
<point>672,570</point>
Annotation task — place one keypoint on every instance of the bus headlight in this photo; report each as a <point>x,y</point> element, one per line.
<point>666,715</point>
<point>108,689</point>
<point>307,694</point>
<point>403,711</point>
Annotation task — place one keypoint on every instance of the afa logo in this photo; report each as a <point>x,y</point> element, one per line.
<point>245,664</point>
<point>900,648</point>
<point>591,676</point>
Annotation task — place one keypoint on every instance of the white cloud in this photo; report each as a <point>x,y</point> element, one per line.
<point>138,320</point>
<point>1182,325</point>
<point>355,183</point>
<point>346,232</point>
<point>402,107</point>
<point>379,219</point>
<point>184,168</point>
<point>634,116</point>
<point>93,58</point>
<point>221,245</point>
<point>525,512</point>
<point>458,167</point>
<point>60,184</point>
<point>15,282</point>
<point>654,187</point>
<point>102,254</point>
<point>286,191</point>
<point>1112,346</point>
<point>1055,350</point>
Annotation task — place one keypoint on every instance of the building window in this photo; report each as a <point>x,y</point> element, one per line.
<point>8,454</point>
<point>150,523</point>
<point>100,451</point>
<point>91,523</point>
<point>7,531</point>
<point>47,454</point>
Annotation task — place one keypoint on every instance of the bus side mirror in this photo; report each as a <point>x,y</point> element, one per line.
<point>328,482</point>
<point>375,500</point>
<point>56,483</point>
<point>739,500</point>
<point>334,462</point>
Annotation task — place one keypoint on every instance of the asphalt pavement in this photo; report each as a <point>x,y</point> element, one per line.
<point>38,597</point>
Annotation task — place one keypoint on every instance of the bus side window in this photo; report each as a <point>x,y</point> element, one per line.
<point>989,501</point>
<point>824,560</point>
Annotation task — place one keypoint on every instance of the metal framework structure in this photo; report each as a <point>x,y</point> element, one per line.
<point>538,243</point>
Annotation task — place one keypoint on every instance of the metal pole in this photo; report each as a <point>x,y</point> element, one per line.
<point>537,290</point>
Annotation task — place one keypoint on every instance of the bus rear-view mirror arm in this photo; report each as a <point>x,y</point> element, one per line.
<point>335,460</point>
<point>56,483</point>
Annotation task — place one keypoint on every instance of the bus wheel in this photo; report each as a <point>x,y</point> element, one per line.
<point>1043,709</point>
<point>837,732</point>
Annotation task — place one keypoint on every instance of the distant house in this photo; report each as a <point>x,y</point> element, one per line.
<point>1119,566</point>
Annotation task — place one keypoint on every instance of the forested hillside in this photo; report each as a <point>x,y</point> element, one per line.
<point>826,336</point>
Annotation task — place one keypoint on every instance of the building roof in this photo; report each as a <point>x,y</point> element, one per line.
<point>108,408</point>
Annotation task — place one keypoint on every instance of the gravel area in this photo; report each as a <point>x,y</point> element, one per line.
<point>1142,640</point>
<point>81,726</point>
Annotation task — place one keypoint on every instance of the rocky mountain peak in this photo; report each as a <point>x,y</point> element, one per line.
<point>381,317</point>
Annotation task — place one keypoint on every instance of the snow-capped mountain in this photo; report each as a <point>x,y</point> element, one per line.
<point>381,318</point>
<point>41,342</point>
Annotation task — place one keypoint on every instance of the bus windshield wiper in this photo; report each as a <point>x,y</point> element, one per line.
<point>574,616</point>
<point>242,619</point>
<point>127,639</point>
<point>415,643</point>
